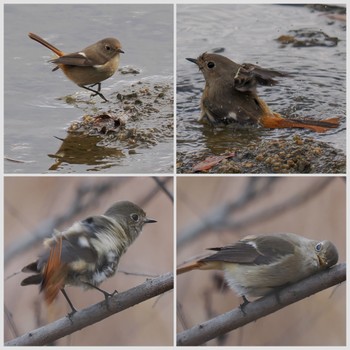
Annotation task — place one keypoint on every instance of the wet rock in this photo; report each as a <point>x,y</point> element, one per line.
<point>297,155</point>
<point>142,117</point>
<point>307,38</point>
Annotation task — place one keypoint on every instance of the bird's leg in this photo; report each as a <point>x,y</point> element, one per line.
<point>244,304</point>
<point>74,310</point>
<point>95,92</point>
<point>106,294</point>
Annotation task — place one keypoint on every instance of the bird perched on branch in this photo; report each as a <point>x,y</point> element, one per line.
<point>88,252</point>
<point>258,265</point>
<point>230,95</point>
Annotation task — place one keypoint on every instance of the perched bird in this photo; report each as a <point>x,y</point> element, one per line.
<point>257,265</point>
<point>230,95</point>
<point>89,66</point>
<point>88,252</point>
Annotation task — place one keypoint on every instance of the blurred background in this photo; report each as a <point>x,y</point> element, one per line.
<point>34,206</point>
<point>216,211</point>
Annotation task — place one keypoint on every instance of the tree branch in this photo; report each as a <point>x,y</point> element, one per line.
<point>219,218</point>
<point>255,188</point>
<point>236,318</point>
<point>95,313</point>
<point>162,184</point>
<point>281,207</point>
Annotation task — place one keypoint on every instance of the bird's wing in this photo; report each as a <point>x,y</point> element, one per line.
<point>249,76</point>
<point>260,250</point>
<point>74,59</point>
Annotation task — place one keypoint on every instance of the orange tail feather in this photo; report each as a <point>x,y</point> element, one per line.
<point>193,266</point>
<point>200,265</point>
<point>277,121</point>
<point>46,44</point>
<point>54,273</point>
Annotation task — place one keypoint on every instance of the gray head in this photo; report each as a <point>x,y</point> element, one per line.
<point>130,216</point>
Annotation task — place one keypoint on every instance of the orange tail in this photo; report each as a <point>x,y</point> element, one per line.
<point>277,121</point>
<point>46,44</point>
<point>54,273</point>
<point>193,266</point>
<point>200,265</point>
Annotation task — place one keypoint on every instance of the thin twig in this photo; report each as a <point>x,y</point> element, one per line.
<point>10,321</point>
<point>161,184</point>
<point>142,274</point>
<point>254,189</point>
<point>279,208</point>
<point>221,218</point>
<point>152,193</point>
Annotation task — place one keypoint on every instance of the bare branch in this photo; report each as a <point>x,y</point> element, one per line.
<point>161,184</point>
<point>154,191</point>
<point>218,218</point>
<point>95,313</point>
<point>264,306</point>
<point>255,188</point>
<point>279,208</point>
<point>13,327</point>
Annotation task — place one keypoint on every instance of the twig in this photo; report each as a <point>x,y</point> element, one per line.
<point>152,193</point>
<point>12,324</point>
<point>254,188</point>
<point>95,313</point>
<point>161,184</point>
<point>143,274</point>
<point>279,208</point>
<point>219,218</point>
<point>264,306</point>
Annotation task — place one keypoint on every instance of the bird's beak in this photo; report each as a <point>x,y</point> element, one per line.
<point>149,221</point>
<point>322,261</point>
<point>193,60</point>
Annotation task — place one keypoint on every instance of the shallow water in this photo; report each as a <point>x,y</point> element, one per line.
<point>247,33</point>
<point>35,108</point>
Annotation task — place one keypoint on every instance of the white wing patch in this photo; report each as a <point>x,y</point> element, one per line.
<point>83,242</point>
<point>232,115</point>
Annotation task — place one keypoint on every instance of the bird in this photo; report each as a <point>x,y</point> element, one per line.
<point>89,66</point>
<point>87,253</point>
<point>257,265</point>
<point>230,95</point>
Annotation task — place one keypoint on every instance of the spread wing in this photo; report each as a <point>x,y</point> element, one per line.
<point>250,75</point>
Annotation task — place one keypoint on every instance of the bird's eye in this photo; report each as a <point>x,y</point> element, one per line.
<point>318,247</point>
<point>89,220</point>
<point>107,47</point>
<point>210,65</point>
<point>135,217</point>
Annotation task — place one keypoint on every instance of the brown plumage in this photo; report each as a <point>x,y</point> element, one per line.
<point>230,95</point>
<point>87,67</point>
